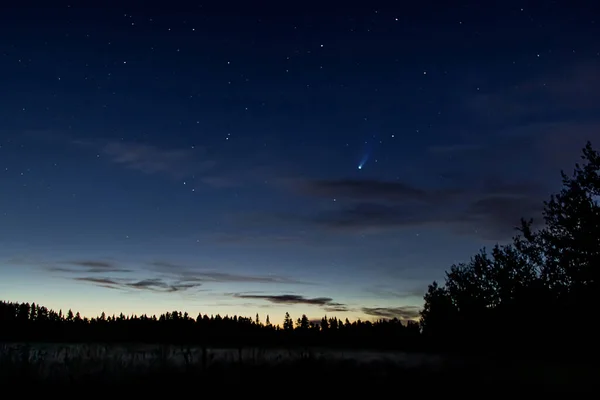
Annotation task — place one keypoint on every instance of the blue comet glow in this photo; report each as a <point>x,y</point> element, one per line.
<point>363,161</point>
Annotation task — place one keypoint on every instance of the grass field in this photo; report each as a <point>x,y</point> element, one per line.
<point>175,368</point>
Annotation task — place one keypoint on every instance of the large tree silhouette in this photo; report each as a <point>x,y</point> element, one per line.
<point>518,292</point>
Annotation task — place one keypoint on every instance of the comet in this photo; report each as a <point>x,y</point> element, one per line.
<point>363,161</point>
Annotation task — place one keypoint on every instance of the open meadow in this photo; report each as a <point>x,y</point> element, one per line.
<point>141,365</point>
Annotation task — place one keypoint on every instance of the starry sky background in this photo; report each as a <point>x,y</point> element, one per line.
<point>206,158</point>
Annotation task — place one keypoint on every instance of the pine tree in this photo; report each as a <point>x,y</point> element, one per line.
<point>288,324</point>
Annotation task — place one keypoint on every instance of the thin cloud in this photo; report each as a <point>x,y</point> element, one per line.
<point>336,307</point>
<point>186,274</point>
<point>148,284</point>
<point>191,163</point>
<point>88,267</point>
<point>159,285</point>
<point>491,211</point>
<point>107,283</point>
<point>402,313</point>
<point>166,266</point>
<point>288,299</point>
<point>100,281</point>
<point>154,285</point>
<point>254,239</point>
<point>92,264</point>
<point>454,149</point>
<point>152,160</point>
<point>360,189</point>
<point>221,181</point>
<point>532,126</point>
<point>384,292</point>
<point>560,92</point>
<point>165,276</point>
<point>327,303</point>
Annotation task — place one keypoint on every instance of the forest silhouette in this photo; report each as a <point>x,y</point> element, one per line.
<point>35,323</point>
<point>536,295</point>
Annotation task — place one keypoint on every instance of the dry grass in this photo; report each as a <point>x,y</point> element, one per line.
<point>175,368</point>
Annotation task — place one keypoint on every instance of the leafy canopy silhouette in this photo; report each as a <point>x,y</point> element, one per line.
<point>517,292</point>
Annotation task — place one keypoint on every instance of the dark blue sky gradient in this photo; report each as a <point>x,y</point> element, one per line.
<point>180,156</point>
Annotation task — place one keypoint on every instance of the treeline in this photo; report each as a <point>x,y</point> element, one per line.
<point>24,322</point>
<point>538,294</point>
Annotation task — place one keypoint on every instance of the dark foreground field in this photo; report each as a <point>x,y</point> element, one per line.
<point>169,369</point>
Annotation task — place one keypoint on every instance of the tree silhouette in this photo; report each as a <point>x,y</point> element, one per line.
<point>324,324</point>
<point>515,293</point>
<point>439,316</point>
<point>303,323</point>
<point>288,324</point>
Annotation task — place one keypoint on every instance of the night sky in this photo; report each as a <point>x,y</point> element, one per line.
<point>243,160</point>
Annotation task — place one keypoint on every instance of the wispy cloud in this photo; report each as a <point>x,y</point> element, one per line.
<point>360,189</point>
<point>257,238</point>
<point>194,164</point>
<point>153,285</point>
<point>188,274</point>
<point>102,282</point>
<point>234,174</point>
<point>336,307</point>
<point>544,117</point>
<point>87,267</point>
<point>92,264</point>
<point>559,93</point>
<point>492,210</point>
<point>454,149</point>
<point>402,313</point>
<point>161,286</point>
<point>387,293</point>
<point>325,302</point>
<point>221,181</point>
<point>160,276</point>
<point>99,281</point>
<point>533,126</point>
<point>149,159</point>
